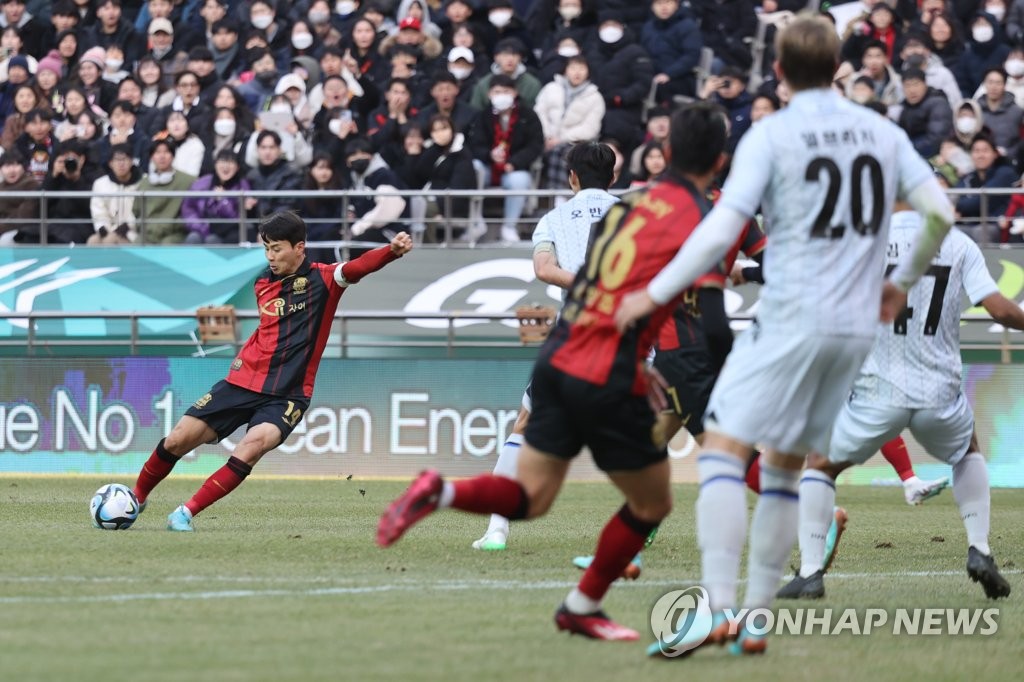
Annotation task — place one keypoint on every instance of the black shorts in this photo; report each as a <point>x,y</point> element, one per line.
<point>226,407</point>
<point>691,373</point>
<point>569,413</point>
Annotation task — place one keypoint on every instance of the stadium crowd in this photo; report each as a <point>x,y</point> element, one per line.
<point>109,96</point>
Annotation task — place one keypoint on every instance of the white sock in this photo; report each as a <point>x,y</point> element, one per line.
<point>577,602</point>
<point>447,495</point>
<point>817,500</point>
<point>971,491</point>
<point>507,464</point>
<point>772,534</point>
<point>721,525</point>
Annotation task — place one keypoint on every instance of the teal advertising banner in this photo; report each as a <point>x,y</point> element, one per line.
<point>368,418</point>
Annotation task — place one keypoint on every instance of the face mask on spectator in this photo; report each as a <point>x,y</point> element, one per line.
<point>568,52</point>
<point>983,33</point>
<point>114,64</point>
<point>502,101</point>
<point>998,11</point>
<point>319,18</point>
<point>359,166</point>
<point>500,18</point>
<point>610,34</point>
<point>262,21</point>
<point>334,125</point>
<point>302,41</point>
<point>460,72</point>
<point>267,77</point>
<point>569,13</point>
<point>224,127</point>
<point>965,124</point>
<point>1015,67</point>
<point>280,109</point>
<point>345,7</point>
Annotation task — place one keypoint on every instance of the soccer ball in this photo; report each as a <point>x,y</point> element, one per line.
<point>114,507</point>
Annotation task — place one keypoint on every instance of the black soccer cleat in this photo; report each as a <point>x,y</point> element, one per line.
<point>982,569</point>
<point>812,587</point>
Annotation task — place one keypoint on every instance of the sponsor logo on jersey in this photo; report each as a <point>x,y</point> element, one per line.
<point>273,307</point>
<point>202,402</point>
<point>299,286</point>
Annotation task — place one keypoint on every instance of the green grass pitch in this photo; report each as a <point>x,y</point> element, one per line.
<point>282,581</point>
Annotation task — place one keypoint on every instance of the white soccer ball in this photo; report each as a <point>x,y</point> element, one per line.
<point>114,507</point>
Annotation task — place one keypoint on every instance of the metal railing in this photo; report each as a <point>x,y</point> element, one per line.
<point>448,223</point>
<point>343,321</point>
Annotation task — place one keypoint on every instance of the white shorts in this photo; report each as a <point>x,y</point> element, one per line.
<point>527,401</point>
<point>864,427</point>
<point>785,391</point>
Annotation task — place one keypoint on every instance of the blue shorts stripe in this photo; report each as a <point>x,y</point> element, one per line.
<point>724,477</point>
<point>830,484</point>
<point>510,444</point>
<point>789,494</point>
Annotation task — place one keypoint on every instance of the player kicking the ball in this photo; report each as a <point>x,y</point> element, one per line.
<point>826,173</point>
<point>590,386</point>
<point>270,383</point>
<point>912,380</point>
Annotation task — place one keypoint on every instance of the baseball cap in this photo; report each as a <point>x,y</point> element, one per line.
<point>161,24</point>
<point>457,53</point>
<point>410,22</point>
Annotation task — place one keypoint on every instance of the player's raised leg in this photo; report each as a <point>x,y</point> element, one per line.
<point>915,490</point>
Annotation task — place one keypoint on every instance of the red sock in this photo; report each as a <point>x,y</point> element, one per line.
<point>219,484</point>
<point>489,494</point>
<point>620,540</point>
<point>754,473</point>
<point>154,470</point>
<point>895,451</point>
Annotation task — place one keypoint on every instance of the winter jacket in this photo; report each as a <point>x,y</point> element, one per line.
<point>450,168</point>
<point>14,211</point>
<point>927,123</point>
<point>580,122</point>
<point>1001,174</point>
<point>980,57</point>
<point>69,219</point>
<point>526,143</point>
<point>160,215</point>
<point>203,215</point>
<point>279,176</point>
<point>674,45</point>
<point>623,73</point>
<point>527,88</point>
<point>725,26</point>
<point>1004,121</point>
<point>110,207</point>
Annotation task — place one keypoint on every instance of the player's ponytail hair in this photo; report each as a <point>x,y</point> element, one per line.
<point>284,226</point>
<point>697,138</point>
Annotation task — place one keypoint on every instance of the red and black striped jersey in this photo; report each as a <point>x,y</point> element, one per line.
<point>636,239</point>
<point>296,311</point>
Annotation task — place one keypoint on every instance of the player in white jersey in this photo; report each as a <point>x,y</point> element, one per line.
<point>912,380</point>
<point>825,172</point>
<point>559,248</point>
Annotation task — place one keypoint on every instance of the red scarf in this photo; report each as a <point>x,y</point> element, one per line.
<point>503,139</point>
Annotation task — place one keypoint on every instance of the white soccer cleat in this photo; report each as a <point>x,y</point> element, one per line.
<point>493,541</point>
<point>916,491</point>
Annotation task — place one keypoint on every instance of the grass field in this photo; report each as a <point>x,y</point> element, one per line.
<point>282,581</point>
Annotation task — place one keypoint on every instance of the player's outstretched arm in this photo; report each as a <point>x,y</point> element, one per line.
<point>374,260</point>
<point>1004,311</point>
<point>931,202</point>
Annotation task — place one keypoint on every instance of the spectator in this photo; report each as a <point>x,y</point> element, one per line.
<point>550,22</point>
<point>25,99</point>
<point>658,120</point>
<point>508,61</point>
<point>199,29</point>
<point>461,65</point>
<point>363,48</point>
<point>411,34</point>
<point>503,23</point>
<point>48,76</point>
<point>570,110</point>
<point>184,98</point>
<point>31,32</point>
<point>222,132</point>
<point>373,218</point>
<point>880,25</point>
<point>764,104</point>
<point>260,89</point>
<point>968,122</point>
<point>420,11</point>
<point>991,170</point>
<point>228,97</point>
<point>554,59</point>
<point>444,164</point>
<point>332,130</point>
<point>264,17</point>
<point>916,51</point>
<point>130,90</point>
<point>63,17</point>
<point>385,125</point>
<point>652,164</point>
<point>445,95</point>
<point>190,149</point>
<point>99,93</point>
<point>729,90</point>
<point>113,69</point>
<point>293,88</point>
<point>727,27</point>
<point>89,129</point>
<point>322,214</point>
<point>304,40</point>
<point>1011,227</point>
<point>505,142</point>
<point>202,64</point>
<point>35,145</point>
<point>947,41</point>
<point>281,120</point>
<point>161,215</point>
<point>271,172</point>
<point>227,54</point>
<point>924,114</point>
<point>1014,68</point>
<point>622,71</point>
<point>112,28</point>
<point>456,14</point>
<point>67,49</point>
<point>952,162</point>
<point>674,41</point>
<point>326,33</point>
<point>885,81</point>
<point>16,214</point>
<point>214,219</point>
<point>17,75</point>
<point>10,43</point>
<point>151,77</point>
<point>68,218</point>
<point>985,50</point>
<point>110,205</point>
<point>1000,113</point>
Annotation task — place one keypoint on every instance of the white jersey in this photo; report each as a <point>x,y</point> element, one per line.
<point>915,362</point>
<point>568,226</point>
<point>825,172</point>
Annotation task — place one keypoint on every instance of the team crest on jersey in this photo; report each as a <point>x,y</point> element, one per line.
<point>237,364</point>
<point>273,307</point>
<point>202,402</point>
<point>299,285</point>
